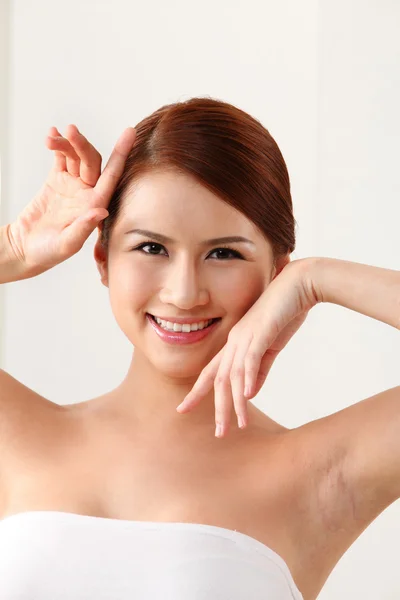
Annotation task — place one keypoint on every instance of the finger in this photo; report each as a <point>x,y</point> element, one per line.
<point>65,154</point>
<point>223,392</point>
<point>258,349</point>
<point>203,385</point>
<point>60,163</point>
<point>223,406</point>
<point>260,374</point>
<point>74,236</point>
<point>237,381</point>
<point>73,160</point>
<point>114,168</point>
<point>90,158</point>
<point>264,370</point>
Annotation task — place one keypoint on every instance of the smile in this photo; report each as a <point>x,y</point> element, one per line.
<point>180,333</point>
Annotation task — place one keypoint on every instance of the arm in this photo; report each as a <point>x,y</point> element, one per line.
<point>368,432</point>
<point>371,291</point>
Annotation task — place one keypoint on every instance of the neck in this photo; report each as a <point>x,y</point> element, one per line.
<point>148,396</point>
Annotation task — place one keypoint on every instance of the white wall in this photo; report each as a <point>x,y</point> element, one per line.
<point>324,79</point>
<point>4,129</point>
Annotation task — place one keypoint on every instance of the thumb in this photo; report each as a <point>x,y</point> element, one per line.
<point>78,232</point>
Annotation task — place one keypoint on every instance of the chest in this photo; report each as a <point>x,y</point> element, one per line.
<point>113,474</point>
<point>252,486</point>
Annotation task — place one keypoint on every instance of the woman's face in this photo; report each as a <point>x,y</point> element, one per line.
<point>186,276</point>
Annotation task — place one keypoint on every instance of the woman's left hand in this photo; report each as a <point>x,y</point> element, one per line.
<point>241,367</point>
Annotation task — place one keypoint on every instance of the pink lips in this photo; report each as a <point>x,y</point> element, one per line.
<point>179,337</point>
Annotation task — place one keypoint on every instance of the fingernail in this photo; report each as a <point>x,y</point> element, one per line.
<point>218,430</point>
<point>241,422</point>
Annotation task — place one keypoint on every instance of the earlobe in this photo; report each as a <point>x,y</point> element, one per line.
<point>103,277</point>
<point>100,257</point>
<point>102,269</point>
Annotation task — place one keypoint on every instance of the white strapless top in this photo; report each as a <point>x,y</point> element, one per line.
<point>54,555</point>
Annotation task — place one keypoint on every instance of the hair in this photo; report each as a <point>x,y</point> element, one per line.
<point>224,149</point>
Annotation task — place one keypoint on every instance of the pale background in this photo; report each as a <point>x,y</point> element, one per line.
<point>324,78</point>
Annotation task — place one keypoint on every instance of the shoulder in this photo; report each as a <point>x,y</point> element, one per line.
<point>18,402</point>
<point>22,414</point>
<point>9,384</point>
<point>26,430</point>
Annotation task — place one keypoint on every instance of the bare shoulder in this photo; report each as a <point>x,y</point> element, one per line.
<point>14,394</point>
<point>22,413</point>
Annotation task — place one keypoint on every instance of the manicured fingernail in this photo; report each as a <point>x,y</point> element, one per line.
<point>218,430</point>
<point>241,423</point>
<point>247,390</point>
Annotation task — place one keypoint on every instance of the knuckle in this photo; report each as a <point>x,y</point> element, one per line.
<point>220,379</point>
<point>95,156</point>
<point>91,164</point>
<point>237,372</point>
<point>71,154</point>
<point>252,356</point>
<point>83,143</point>
<point>92,150</point>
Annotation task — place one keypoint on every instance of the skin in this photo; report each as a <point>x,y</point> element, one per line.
<point>180,279</point>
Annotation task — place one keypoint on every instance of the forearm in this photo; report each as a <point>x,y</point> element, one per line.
<point>11,269</point>
<point>371,291</point>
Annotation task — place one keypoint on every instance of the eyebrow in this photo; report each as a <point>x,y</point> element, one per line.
<point>165,239</point>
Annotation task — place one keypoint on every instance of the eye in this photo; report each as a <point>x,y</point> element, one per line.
<point>234,252</point>
<point>152,244</point>
<point>140,248</point>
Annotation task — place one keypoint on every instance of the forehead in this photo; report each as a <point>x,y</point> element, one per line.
<point>174,198</point>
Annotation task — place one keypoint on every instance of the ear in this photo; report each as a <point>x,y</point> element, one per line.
<point>280,264</point>
<point>100,256</point>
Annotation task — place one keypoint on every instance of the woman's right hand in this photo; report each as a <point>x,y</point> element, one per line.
<point>71,203</point>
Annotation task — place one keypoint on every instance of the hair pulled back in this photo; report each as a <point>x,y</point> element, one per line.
<point>224,149</point>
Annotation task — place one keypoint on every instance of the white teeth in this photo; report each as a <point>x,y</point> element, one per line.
<point>185,327</point>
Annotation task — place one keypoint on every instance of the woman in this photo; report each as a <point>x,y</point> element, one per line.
<point>124,496</point>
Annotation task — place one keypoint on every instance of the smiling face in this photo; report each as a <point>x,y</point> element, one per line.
<point>187,276</point>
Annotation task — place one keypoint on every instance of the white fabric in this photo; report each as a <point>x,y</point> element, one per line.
<point>52,555</point>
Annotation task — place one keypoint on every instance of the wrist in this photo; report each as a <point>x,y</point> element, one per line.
<point>11,267</point>
<point>319,271</point>
<point>311,274</point>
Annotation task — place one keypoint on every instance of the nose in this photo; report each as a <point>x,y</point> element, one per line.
<point>184,287</point>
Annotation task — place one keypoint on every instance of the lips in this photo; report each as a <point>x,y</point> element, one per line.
<point>189,321</point>
<point>180,337</point>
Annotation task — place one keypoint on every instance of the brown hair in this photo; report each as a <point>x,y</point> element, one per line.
<point>224,149</point>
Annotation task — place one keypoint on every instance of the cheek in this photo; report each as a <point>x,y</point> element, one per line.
<point>133,284</point>
<point>238,294</point>
<point>128,294</point>
<point>128,278</point>
<point>127,304</point>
